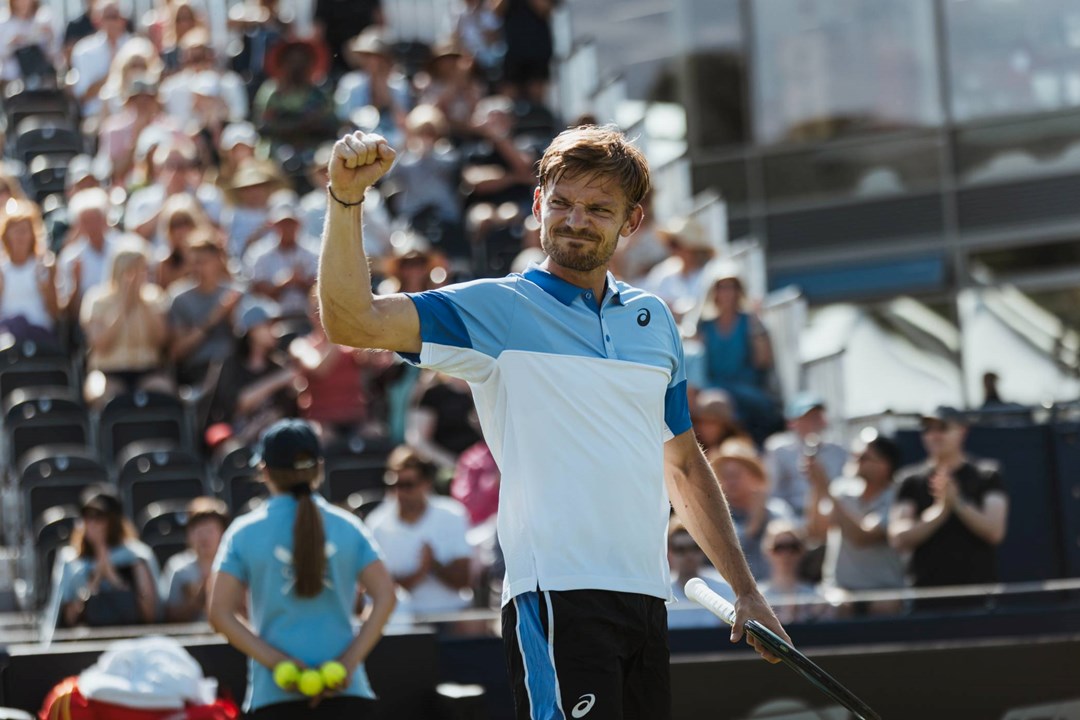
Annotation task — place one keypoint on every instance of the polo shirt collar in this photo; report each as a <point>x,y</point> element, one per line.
<point>563,291</point>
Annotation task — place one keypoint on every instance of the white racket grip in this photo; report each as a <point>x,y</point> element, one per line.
<point>703,595</point>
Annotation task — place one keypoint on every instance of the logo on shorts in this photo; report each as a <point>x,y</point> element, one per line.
<point>644,317</point>
<point>585,702</point>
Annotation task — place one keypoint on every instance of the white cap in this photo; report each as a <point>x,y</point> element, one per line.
<point>239,133</point>
<point>207,83</point>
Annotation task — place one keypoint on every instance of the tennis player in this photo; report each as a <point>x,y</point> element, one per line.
<point>299,557</point>
<point>581,392</point>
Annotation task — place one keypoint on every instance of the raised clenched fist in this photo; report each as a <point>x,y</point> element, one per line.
<point>358,161</point>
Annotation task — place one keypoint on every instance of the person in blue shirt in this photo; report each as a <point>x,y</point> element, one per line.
<point>299,558</point>
<point>579,384</point>
<point>737,353</point>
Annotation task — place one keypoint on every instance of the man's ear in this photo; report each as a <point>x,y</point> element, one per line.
<point>633,222</point>
<point>538,196</point>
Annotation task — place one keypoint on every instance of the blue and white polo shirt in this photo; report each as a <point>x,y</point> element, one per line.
<point>576,401</point>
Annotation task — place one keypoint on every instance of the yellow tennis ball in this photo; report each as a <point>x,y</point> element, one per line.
<point>286,674</point>
<point>333,674</point>
<point>310,683</point>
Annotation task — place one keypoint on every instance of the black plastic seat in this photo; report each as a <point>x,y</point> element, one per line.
<point>353,467</point>
<point>21,102</point>
<point>52,475</point>
<point>156,471</point>
<point>52,531</point>
<point>139,416</point>
<point>162,526</point>
<point>28,364</point>
<point>42,135</point>
<point>34,417</point>
<point>236,480</point>
<point>47,176</point>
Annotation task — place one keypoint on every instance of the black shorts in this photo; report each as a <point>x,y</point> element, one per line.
<point>591,654</point>
<point>342,707</point>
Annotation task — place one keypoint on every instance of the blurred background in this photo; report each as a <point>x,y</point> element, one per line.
<point>864,217</point>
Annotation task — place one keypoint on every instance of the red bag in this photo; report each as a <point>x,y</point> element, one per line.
<point>65,702</point>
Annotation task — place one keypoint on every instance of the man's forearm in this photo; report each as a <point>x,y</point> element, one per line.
<point>700,504</point>
<point>987,525</point>
<point>910,533</point>
<point>344,277</point>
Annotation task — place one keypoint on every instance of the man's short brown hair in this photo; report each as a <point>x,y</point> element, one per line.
<point>405,457</point>
<point>597,150</point>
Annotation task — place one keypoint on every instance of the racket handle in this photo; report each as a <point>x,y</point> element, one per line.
<point>706,597</point>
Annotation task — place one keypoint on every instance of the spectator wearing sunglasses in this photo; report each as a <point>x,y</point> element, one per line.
<point>105,576</point>
<point>422,536</point>
<point>686,560</point>
<point>792,599</point>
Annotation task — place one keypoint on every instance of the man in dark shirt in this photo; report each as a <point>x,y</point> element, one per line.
<point>341,20</point>
<point>951,511</point>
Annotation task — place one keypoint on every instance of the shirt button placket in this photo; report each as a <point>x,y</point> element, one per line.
<point>609,348</point>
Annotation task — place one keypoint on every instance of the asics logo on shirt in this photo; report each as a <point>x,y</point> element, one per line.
<point>585,702</point>
<point>644,317</point>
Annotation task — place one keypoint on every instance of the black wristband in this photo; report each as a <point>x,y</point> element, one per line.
<point>342,202</point>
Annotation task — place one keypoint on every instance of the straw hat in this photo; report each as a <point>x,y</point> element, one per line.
<point>687,233</point>
<point>742,452</point>
<point>371,41</point>
<point>251,174</point>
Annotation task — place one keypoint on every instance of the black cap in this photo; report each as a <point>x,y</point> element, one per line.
<point>289,444</point>
<point>103,499</point>
<point>944,414</point>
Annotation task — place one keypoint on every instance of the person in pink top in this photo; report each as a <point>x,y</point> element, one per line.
<point>476,483</point>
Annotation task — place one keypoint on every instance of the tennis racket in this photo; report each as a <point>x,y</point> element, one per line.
<point>702,594</point>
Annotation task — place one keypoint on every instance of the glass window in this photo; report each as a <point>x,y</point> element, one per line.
<point>867,169</point>
<point>727,178</point>
<point>1031,259</point>
<point>633,38</point>
<point>714,71</point>
<point>1018,148</point>
<point>827,68</point>
<point>1012,56</point>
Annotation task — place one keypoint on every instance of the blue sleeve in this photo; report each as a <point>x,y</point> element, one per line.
<point>440,321</point>
<point>229,558</point>
<point>464,327</point>
<point>676,405</point>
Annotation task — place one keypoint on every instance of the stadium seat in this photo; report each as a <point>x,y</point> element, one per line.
<point>138,416</point>
<point>287,330</point>
<point>161,526</point>
<point>362,503</point>
<point>42,416</point>
<point>52,475</point>
<point>494,256</point>
<point>236,480</point>
<point>36,136</point>
<point>353,467</point>
<point>27,364</point>
<point>52,531</point>
<point>21,102</point>
<point>47,174</point>
<point>152,471</point>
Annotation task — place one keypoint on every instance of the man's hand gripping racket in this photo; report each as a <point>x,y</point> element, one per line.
<point>776,647</point>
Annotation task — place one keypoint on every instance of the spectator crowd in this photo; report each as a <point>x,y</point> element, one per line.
<point>180,254</point>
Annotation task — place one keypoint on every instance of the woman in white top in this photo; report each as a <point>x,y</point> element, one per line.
<point>125,324</point>
<point>24,23</point>
<point>136,58</point>
<point>28,302</point>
